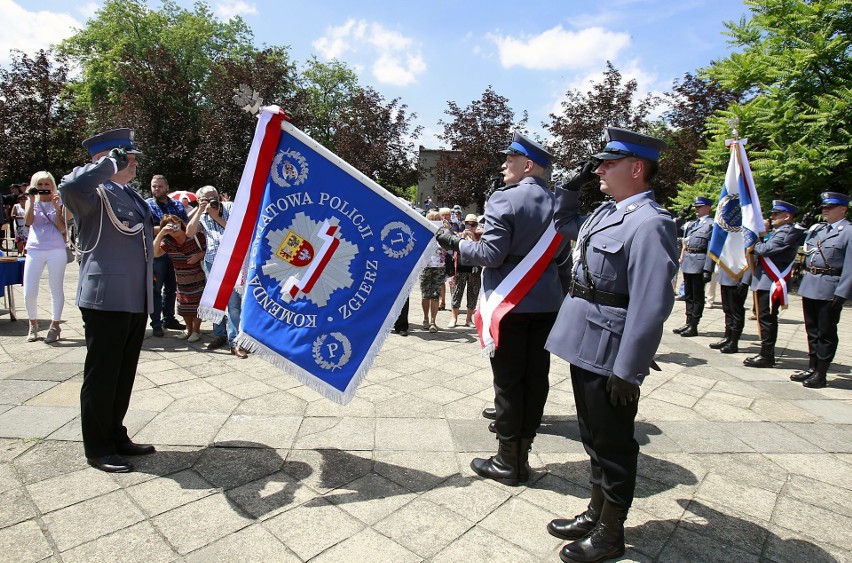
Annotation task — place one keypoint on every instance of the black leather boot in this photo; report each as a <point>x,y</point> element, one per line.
<point>605,541</point>
<point>582,524</point>
<point>818,379</point>
<point>804,374</point>
<point>766,358</point>
<point>502,467</point>
<point>727,338</point>
<point>684,327</point>
<point>524,460</point>
<point>691,330</point>
<point>733,345</point>
<point>490,413</point>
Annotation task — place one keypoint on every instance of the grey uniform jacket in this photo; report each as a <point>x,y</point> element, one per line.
<point>697,236</point>
<point>515,218</point>
<point>633,252</point>
<point>828,250</point>
<point>118,274</point>
<point>782,246</point>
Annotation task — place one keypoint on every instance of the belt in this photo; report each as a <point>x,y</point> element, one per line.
<point>598,296</point>
<point>694,250</point>
<point>826,271</point>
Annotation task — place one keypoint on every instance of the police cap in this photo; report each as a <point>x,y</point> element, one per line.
<point>111,139</point>
<point>621,143</point>
<point>779,205</point>
<point>532,150</point>
<point>701,200</point>
<point>834,198</point>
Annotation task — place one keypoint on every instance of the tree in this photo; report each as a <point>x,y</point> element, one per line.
<point>795,69</point>
<point>326,89</point>
<point>577,131</point>
<point>38,126</point>
<point>478,132</point>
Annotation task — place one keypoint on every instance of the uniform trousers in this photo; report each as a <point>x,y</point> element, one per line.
<point>821,325</point>
<point>521,368</point>
<point>767,317</point>
<point>693,295</point>
<point>402,320</point>
<point>733,305</point>
<point>114,341</point>
<point>607,435</point>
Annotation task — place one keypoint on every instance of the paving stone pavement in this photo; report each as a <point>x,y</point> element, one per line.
<point>736,464</point>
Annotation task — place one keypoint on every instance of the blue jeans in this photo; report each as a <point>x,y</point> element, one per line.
<point>235,308</point>
<point>165,288</point>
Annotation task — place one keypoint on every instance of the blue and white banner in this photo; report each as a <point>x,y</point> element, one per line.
<point>331,263</point>
<point>739,221</point>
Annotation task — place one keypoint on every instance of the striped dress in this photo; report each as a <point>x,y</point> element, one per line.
<point>190,277</point>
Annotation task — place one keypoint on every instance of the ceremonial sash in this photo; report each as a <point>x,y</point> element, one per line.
<point>513,289</point>
<point>778,290</point>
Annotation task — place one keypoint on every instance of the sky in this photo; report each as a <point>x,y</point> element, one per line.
<point>430,52</point>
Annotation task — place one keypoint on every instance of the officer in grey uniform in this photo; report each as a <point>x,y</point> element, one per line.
<point>516,217</point>
<point>734,295</point>
<point>694,265</point>
<point>114,292</point>
<point>609,328</point>
<point>826,286</point>
<point>781,248</point>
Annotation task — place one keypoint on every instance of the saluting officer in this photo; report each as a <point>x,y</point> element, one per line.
<point>780,250</point>
<point>609,328</point>
<point>694,260</point>
<point>115,291</point>
<point>826,286</point>
<point>516,218</point>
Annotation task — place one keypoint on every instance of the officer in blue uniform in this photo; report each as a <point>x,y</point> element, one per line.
<point>114,294</point>
<point>516,217</point>
<point>694,262</point>
<point>825,287</point>
<point>609,328</point>
<point>781,248</point>
<point>734,294</point>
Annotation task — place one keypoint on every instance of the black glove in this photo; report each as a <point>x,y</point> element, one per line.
<point>447,239</point>
<point>706,276</point>
<point>581,175</point>
<point>621,392</point>
<point>837,303</point>
<point>808,219</point>
<point>119,156</point>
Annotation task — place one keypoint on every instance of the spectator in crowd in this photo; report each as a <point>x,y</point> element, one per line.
<point>445,215</point>
<point>21,229</point>
<point>432,282</point>
<point>467,276</point>
<point>213,214</point>
<point>164,271</point>
<point>172,239</point>
<point>45,247</point>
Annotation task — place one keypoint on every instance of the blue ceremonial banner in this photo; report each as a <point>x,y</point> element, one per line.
<point>331,263</point>
<point>739,220</point>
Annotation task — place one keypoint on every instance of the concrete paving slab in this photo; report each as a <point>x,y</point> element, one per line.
<point>423,527</point>
<point>416,471</point>
<point>686,545</point>
<point>829,411</point>
<point>26,541</point>
<point>344,433</point>
<point>535,539</point>
<point>484,543</point>
<point>370,498</point>
<point>270,495</point>
<point>15,507</point>
<point>236,465</point>
<point>245,546</point>
<point>413,434</point>
<point>271,431</point>
<point>15,392</point>
<point>157,496</point>
<point>183,429</point>
<point>138,543</point>
<point>34,422</point>
<point>70,488</point>
<point>833,438</point>
<point>50,372</point>
<point>92,519</point>
<point>380,547</point>
<point>821,524</point>
<point>324,470</point>
<point>194,525</point>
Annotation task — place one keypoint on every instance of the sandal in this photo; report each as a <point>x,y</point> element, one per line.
<point>425,325</point>
<point>433,328</point>
<point>183,335</point>
<point>32,336</point>
<point>453,324</point>
<point>52,335</point>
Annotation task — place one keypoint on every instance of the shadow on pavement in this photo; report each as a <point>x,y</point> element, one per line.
<point>567,427</point>
<point>680,359</point>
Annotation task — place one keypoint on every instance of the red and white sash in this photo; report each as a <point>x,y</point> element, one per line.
<point>778,290</point>
<point>513,289</point>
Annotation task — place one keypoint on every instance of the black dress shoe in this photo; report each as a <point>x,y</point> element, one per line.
<point>158,332</point>
<point>492,427</point>
<point>759,362</point>
<point>691,330</point>
<point>112,463</point>
<point>802,375</point>
<point>731,347</point>
<point>174,324</point>
<point>680,329</point>
<point>135,449</point>
<point>490,413</point>
<point>718,345</point>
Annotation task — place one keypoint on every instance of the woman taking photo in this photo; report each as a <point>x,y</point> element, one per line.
<point>45,247</point>
<point>187,254</point>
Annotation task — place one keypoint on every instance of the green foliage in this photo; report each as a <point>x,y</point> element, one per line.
<point>795,69</point>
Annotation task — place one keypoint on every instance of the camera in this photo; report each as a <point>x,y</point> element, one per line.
<point>44,192</point>
<point>213,202</point>
<point>32,191</point>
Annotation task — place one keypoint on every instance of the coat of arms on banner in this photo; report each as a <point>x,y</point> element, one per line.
<point>332,259</point>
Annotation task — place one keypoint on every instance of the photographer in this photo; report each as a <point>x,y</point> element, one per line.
<point>165,286</point>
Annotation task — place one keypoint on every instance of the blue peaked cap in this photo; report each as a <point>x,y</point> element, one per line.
<point>834,198</point>
<point>622,143</point>
<point>781,205</point>
<point>532,150</point>
<point>111,139</point>
<point>701,200</point>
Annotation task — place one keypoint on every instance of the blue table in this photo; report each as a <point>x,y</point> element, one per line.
<point>11,273</point>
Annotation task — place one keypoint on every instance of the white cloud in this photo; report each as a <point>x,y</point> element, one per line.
<point>228,9</point>
<point>88,10</point>
<point>396,59</point>
<point>557,48</point>
<point>30,31</point>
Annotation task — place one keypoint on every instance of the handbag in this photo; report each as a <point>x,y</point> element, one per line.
<point>69,254</point>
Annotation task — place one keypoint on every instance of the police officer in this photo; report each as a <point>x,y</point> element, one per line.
<point>826,286</point>
<point>609,328</point>
<point>516,218</point>
<point>780,250</point>
<point>694,260</point>
<point>734,294</point>
<point>114,294</point>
